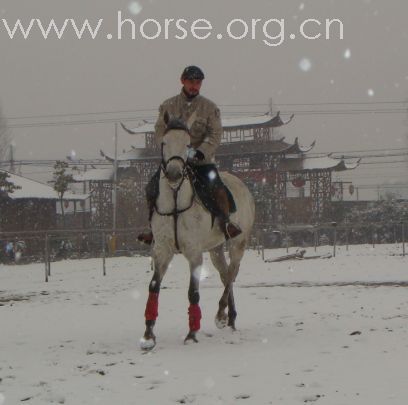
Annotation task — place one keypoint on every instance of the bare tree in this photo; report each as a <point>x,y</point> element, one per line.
<point>61,183</point>
<point>5,137</point>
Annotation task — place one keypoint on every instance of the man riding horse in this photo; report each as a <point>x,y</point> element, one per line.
<point>205,132</point>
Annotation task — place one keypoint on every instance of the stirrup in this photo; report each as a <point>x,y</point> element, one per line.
<point>231,230</point>
<point>146,237</point>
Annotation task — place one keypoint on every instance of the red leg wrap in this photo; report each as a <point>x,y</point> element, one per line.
<point>194,317</point>
<point>152,307</point>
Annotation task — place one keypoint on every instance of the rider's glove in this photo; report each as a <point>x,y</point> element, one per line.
<point>194,155</point>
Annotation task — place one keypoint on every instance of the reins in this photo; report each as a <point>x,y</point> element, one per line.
<point>175,213</point>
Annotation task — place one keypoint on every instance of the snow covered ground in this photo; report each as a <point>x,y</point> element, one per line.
<point>322,331</point>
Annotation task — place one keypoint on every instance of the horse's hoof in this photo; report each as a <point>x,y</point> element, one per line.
<point>190,337</point>
<point>147,344</point>
<point>220,323</point>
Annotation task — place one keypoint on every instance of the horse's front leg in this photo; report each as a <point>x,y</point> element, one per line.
<point>194,311</point>
<point>160,264</point>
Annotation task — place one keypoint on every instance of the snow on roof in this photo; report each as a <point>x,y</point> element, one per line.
<point>327,162</point>
<point>232,122</point>
<point>95,175</point>
<point>31,189</point>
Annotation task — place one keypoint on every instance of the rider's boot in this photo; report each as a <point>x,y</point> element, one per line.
<point>230,229</point>
<point>152,191</point>
<point>147,236</point>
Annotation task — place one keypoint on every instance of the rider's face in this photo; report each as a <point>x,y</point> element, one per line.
<point>191,86</point>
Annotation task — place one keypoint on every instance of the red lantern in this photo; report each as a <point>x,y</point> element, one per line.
<point>66,204</point>
<point>298,182</point>
<point>351,189</point>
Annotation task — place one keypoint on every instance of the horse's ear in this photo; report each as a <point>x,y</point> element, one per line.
<point>166,117</point>
<point>191,120</point>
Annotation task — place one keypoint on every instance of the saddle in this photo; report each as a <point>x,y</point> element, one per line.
<point>206,180</point>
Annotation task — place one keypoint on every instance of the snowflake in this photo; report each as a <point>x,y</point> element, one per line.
<point>305,64</point>
<point>135,7</point>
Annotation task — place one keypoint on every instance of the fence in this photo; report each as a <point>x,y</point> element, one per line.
<point>269,236</point>
<point>52,245</point>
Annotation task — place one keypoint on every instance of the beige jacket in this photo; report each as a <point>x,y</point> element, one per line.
<point>206,131</point>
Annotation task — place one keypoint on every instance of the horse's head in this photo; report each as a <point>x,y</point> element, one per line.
<point>175,147</point>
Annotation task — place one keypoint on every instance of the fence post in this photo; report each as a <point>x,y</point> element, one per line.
<point>403,238</point>
<point>315,239</point>
<point>347,238</point>
<point>46,256</point>
<point>373,235</point>
<point>103,255</point>
<point>287,239</point>
<point>49,256</point>
<point>263,245</point>
<point>334,224</point>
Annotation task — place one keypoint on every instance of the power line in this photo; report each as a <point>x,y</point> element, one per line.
<point>221,105</point>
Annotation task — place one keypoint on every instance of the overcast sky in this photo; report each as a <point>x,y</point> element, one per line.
<point>69,76</point>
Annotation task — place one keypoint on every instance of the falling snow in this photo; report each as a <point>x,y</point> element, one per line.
<point>370,92</point>
<point>347,54</point>
<point>135,7</point>
<point>212,175</point>
<point>305,64</point>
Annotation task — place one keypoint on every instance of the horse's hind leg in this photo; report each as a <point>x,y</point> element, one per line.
<point>218,259</point>
<point>160,263</point>
<point>236,248</point>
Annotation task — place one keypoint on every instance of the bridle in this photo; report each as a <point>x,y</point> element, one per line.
<point>187,173</point>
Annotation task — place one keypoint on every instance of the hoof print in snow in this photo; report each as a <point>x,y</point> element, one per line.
<point>243,396</point>
<point>311,398</point>
<point>25,399</point>
<point>357,332</point>
<point>187,399</point>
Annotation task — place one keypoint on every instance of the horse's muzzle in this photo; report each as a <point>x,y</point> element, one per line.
<point>174,174</point>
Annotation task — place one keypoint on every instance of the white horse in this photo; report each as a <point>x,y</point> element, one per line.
<point>181,224</point>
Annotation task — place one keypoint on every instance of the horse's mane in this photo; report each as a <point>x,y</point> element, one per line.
<point>176,123</point>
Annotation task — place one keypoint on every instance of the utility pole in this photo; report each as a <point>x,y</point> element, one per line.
<point>271,114</point>
<point>271,106</point>
<point>12,168</point>
<point>115,179</point>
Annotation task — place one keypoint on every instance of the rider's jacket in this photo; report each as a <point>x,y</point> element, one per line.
<point>206,129</point>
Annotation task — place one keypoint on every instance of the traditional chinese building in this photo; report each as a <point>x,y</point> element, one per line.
<point>288,186</point>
